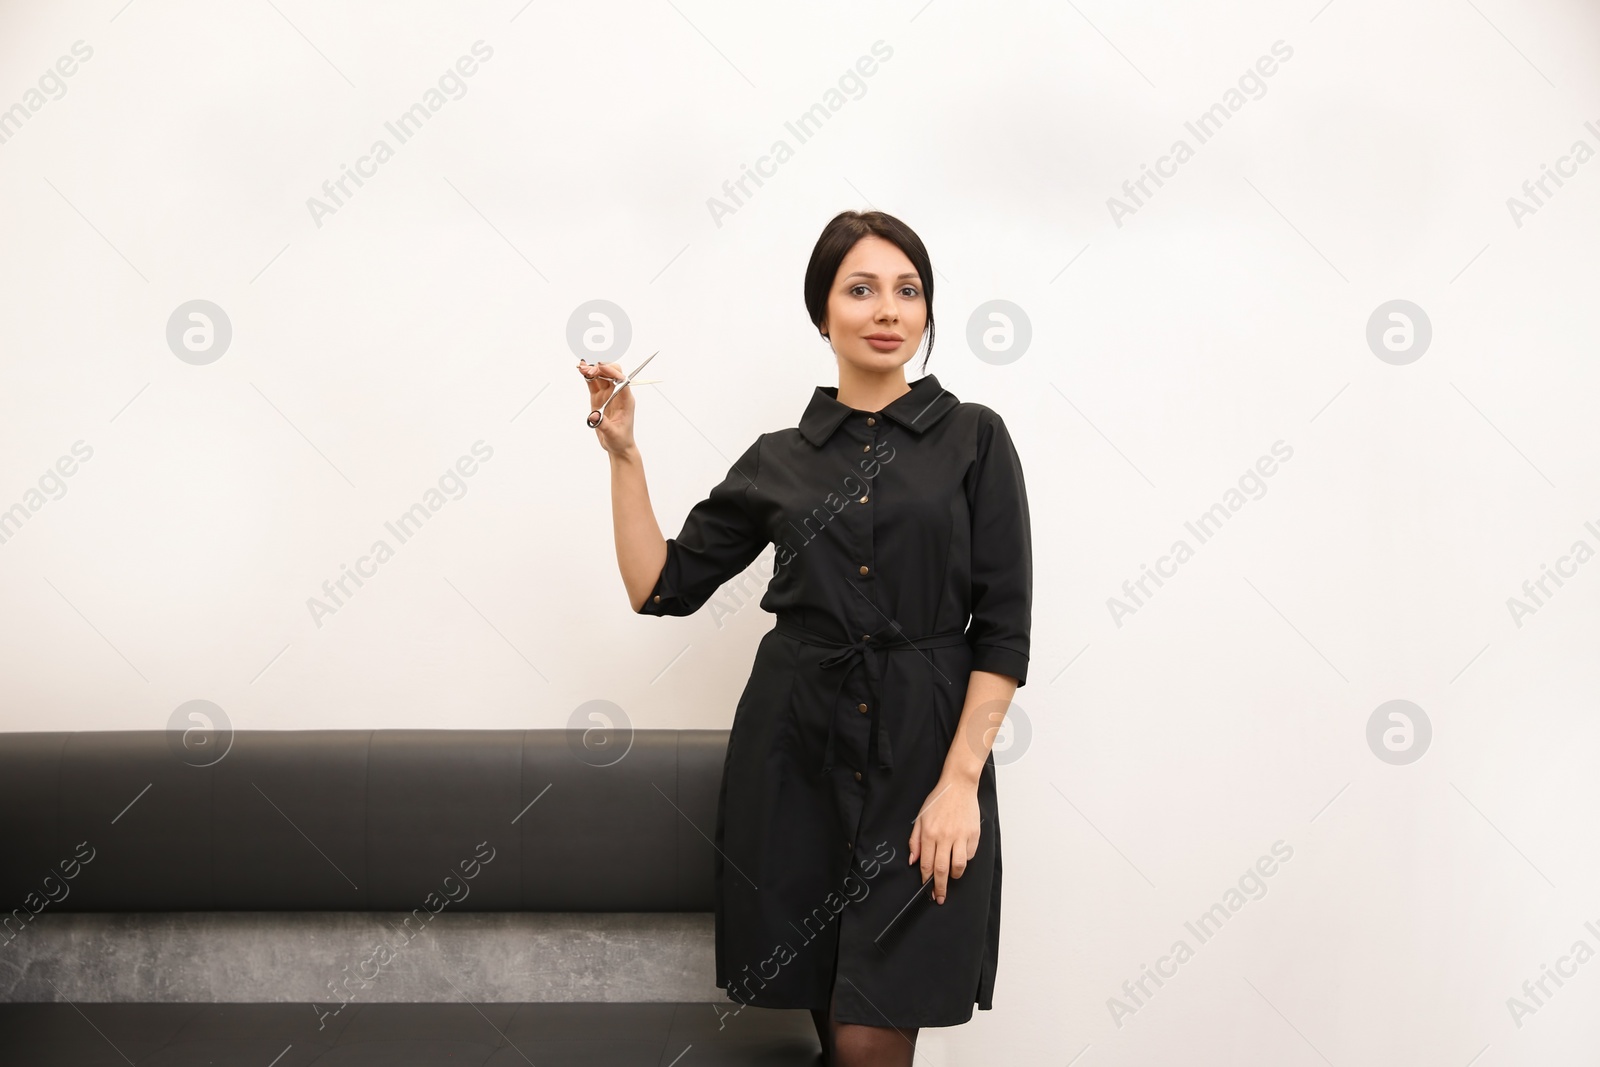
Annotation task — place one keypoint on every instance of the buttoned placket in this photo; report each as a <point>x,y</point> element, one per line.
<point>866,575</point>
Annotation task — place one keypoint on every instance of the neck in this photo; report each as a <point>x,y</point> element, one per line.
<point>869,391</point>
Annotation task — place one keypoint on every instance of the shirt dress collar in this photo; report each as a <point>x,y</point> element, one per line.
<point>924,405</point>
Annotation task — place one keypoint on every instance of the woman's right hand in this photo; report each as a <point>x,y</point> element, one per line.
<point>615,432</point>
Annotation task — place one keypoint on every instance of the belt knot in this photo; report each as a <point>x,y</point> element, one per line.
<point>865,651</point>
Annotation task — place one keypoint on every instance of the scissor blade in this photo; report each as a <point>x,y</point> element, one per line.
<point>642,366</point>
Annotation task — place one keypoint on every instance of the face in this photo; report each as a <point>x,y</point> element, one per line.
<point>877,294</point>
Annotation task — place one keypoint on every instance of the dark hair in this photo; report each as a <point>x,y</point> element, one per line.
<point>839,236</point>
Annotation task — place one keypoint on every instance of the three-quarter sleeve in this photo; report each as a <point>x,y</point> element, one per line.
<point>719,539</point>
<point>1002,556</point>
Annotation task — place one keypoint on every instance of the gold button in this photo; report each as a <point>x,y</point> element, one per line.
<point>863,570</point>
<point>863,500</point>
<point>871,421</point>
<point>866,448</point>
<point>862,708</point>
<point>866,637</point>
<point>847,846</point>
<point>858,776</point>
<point>657,598</point>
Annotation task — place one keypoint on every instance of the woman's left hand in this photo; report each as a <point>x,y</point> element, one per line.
<point>945,834</point>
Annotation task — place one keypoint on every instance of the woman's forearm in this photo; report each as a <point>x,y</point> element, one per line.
<point>641,550</point>
<point>988,699</point>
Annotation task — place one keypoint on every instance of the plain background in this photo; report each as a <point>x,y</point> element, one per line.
<point>1164,752</point>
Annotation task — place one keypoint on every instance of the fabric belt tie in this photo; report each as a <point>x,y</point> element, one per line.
<point>864,652</point>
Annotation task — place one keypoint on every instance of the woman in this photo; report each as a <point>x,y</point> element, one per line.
<point>858,764</point>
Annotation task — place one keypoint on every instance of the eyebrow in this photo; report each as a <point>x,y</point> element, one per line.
<point>874,277</point>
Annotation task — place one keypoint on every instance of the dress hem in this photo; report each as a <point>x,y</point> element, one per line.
<point>918,1023</point>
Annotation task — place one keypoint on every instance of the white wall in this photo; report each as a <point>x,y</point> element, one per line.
<point>1170,350</point>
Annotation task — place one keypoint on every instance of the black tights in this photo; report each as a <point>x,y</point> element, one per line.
<point>859,1045</point>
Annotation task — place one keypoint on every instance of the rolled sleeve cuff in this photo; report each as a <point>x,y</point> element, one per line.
<point>667,598</point>
<point>1001,660</point>
<point>662,599</point>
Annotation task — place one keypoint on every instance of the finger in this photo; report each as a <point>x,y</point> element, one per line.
<point>598,370</point>
<point>600,390</point>
<point>958,858</point>
<point>916,837</point>
<point>941,871</point>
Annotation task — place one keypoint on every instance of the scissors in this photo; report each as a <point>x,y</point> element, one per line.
<point>598,415</point>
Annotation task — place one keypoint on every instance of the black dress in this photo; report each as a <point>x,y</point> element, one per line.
<point>891,528</point>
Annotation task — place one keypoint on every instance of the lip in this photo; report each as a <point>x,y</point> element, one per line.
<point>884,337</point>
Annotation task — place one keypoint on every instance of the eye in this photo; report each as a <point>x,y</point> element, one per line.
<point>858,285</point>
<point>911,288</point>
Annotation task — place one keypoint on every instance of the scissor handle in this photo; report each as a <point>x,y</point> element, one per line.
<point>597,416</point>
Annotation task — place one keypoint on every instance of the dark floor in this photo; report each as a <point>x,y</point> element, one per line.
<point>403,1035</point>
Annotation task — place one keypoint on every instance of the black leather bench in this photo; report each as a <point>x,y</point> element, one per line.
<point>98,829</point>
